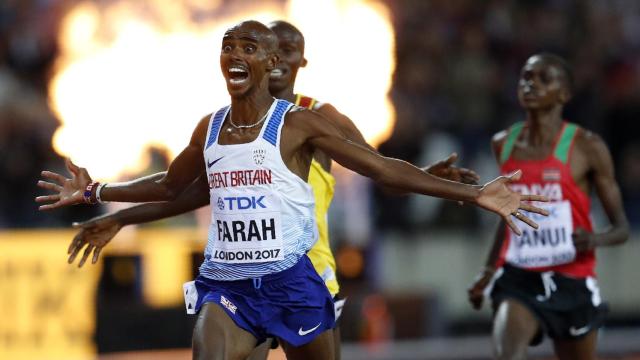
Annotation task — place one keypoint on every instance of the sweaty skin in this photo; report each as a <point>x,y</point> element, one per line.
<point>543,90</point>
<point>249,54</point>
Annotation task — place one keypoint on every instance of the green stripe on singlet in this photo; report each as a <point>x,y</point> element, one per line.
<point>514,132</point>
<point>564,144</point>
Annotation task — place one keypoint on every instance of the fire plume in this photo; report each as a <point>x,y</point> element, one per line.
<point>134,74</point>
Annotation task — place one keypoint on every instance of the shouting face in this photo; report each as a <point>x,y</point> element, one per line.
<point>248,55</point>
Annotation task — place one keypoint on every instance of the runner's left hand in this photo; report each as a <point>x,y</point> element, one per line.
<point>497,197</point>
<point>583,240</point>
<point>95,234</point>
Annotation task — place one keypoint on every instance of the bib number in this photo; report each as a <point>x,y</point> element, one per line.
<point>551,244</point>
<point>248,229</point>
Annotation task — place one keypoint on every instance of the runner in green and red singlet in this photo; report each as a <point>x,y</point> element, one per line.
<point>544,280</point>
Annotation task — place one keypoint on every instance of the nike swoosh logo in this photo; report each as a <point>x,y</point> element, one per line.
<point>210,164</point>
<point>579,331</point>
<point>305,332</point>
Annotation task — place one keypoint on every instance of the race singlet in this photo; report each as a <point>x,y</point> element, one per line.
<point>549,248</point>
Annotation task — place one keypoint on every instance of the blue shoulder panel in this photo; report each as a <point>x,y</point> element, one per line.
<point>271,132</point>
<point>215,126</point>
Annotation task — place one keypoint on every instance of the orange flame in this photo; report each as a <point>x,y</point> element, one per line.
<point>131,74</point>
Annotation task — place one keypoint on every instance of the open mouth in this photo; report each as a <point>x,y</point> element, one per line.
<point>238,74</point>
<point>276,73</point>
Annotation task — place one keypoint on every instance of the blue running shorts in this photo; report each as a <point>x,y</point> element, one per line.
<point>293,305</point>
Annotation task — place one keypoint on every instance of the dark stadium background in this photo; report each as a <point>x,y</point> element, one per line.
<point>404,262</point>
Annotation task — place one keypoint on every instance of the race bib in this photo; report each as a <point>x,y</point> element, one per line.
<point>551,244</point>
<point>248,228</point>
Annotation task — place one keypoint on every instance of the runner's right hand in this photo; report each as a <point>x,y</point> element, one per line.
<point>68,191</point>
<point>476,291</point>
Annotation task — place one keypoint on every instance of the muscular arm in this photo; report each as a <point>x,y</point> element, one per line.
<point>186,167</point>
<point>602,174</point>
<point>346,125</point>
<point>182,171</point>
<point>96,233</point>
<point>494,253</point>
<point>443,169</point>
<point>149,179</point>
<point>389,172</point>
<point>306,128</point>
<point>195,196</point>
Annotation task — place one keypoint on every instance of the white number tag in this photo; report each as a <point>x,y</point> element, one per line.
<point>248,229</point>
<point>551,244</point>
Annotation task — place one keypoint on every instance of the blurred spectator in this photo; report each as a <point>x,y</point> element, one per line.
<point>27,48</point>
<point>458,64</point>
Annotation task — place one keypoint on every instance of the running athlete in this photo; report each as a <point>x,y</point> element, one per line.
<point>544,280</point>
<point>256,280</point>
<point>100,230</point>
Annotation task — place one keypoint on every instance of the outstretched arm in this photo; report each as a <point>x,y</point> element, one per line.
<point>96,233</point>
<point>494,196</point>
<point>195,196</point>
<point>182,171</point>
<point>602,172</point>
<point>444,168</point>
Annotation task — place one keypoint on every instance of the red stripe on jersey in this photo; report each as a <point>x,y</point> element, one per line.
<point>305,101</point>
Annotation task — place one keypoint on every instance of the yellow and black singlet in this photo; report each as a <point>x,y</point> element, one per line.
<point>323,184</point>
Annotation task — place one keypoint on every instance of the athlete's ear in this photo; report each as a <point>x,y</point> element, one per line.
<point>565,95</point>
<point>303,63</point>
<point>274,59</point>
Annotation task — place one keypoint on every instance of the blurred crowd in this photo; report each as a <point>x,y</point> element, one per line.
<point>27,51</point>
<point>458,63</point>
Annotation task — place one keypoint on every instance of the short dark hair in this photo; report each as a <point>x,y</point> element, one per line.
<point>287,26</point>
<point>270,38</point>
<point>560,63</point>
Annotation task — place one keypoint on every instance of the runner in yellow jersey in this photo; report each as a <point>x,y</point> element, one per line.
<point>99,231</point>
<point>323,185</point>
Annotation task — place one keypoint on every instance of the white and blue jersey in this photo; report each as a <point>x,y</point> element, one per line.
<point>262,224</point>
<point>262,214</point>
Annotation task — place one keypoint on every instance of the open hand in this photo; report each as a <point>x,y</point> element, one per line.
<point>94,234</point>
<point>496,196</point>
<point>68,191</point>
<point>446,170</point>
